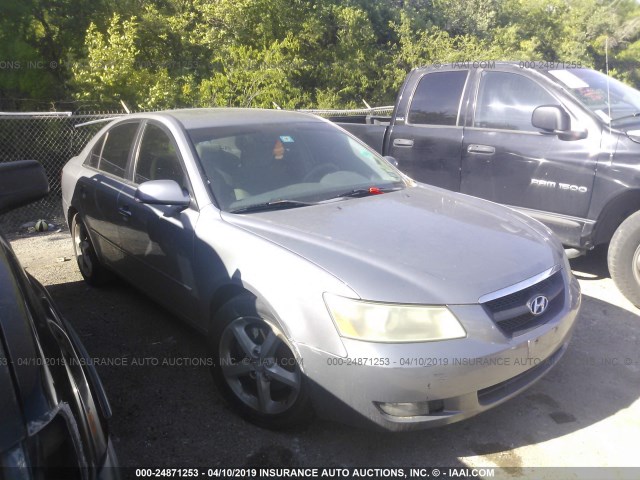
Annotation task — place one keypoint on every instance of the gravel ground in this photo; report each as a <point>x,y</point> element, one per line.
<point>585,412</point>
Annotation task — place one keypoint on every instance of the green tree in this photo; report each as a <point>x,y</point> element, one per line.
<point>112,71</point>
<point>249,77</point>
<point>295,53</point>
<point>41,35</point>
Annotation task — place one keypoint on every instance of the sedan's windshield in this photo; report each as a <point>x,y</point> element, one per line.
<point>607,97</point>
<point>288,164</point>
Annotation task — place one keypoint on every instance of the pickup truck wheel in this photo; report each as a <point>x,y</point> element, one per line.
<point>624,258</point>
<point>254,367</point>
<point>93,272</point>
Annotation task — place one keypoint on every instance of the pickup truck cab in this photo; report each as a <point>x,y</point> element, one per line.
<point>560,143</point>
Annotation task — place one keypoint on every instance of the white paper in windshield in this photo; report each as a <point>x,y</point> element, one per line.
<point>603,116</point>
<point>569,79</point>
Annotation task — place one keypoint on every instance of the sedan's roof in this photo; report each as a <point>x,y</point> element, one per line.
<point>194,118</point>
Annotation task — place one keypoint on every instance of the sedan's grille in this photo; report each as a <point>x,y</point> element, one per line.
<point>512,314</point>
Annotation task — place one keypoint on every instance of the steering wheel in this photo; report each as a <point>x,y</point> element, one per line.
<point>319,171</point>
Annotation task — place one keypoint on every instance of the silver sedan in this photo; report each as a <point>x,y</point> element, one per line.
<point>325,280</point>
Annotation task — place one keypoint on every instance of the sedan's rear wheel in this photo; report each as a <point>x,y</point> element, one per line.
<point>93,272</point>
<point>255,368</point>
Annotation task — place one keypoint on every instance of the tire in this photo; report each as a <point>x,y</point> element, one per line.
<point>624,258</point>
<point>265,385</point>
<point>93,272</point>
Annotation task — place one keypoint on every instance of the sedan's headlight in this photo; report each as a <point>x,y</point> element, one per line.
<point>383,322</point>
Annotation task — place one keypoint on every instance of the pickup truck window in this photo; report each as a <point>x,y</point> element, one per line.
<point>506,101</point>
<point>601,94</point>
<point>436,100</point>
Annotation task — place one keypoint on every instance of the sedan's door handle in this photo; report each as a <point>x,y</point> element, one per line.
<point>124,211</point>
<point>402,142</point>
<point>486,149</point>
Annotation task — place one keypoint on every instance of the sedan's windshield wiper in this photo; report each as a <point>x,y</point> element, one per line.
<point>364,192</point>
<point>633,115</point>
<point>272,205</point>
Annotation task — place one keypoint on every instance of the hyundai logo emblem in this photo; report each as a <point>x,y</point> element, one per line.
<point>538,305</point>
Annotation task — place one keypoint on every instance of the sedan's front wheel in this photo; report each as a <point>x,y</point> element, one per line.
<point>255,369</point>
<point>92,270</point>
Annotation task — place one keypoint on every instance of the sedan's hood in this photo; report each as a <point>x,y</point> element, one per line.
<point>419,245</point>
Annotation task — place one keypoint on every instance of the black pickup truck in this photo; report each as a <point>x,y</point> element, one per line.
<point>559,143</point>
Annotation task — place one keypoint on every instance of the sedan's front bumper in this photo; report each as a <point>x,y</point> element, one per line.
<point>421,385</point>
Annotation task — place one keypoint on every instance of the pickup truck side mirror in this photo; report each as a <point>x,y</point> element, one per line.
<point>162,192</point>
<point>551,118</point>
<point>21,182</point>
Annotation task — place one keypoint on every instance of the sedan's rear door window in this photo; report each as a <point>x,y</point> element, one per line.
<point>117,147</point>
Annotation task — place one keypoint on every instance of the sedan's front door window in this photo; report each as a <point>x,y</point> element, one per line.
<point>117,146</point>
<point>158,158</point>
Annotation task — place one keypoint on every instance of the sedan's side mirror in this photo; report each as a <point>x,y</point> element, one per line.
<point>162,192</point>
<point>21,182</point>
<point>551,118</point>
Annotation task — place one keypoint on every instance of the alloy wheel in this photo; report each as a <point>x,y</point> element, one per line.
<point>258,366</point>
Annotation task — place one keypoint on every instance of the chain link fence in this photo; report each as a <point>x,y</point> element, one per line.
<point>51,139</point>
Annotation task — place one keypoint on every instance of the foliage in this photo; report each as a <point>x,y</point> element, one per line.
<point>250,77</point>
<point>291,53</point>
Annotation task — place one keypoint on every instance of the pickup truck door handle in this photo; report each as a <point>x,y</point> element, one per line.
<point>402,142</point>
<point>486,149</point>
<point>124,211</point>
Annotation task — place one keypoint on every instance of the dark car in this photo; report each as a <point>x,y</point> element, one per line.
<point>53,408</point>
